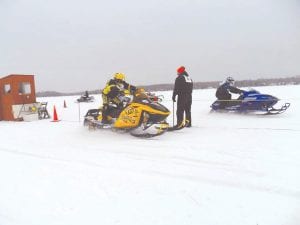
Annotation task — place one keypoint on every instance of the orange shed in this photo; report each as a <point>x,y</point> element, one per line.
<point>17,97</point>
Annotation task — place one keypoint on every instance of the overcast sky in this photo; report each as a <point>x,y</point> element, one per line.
<point>75,45</point>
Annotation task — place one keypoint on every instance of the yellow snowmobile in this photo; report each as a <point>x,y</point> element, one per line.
<point>141,117</point>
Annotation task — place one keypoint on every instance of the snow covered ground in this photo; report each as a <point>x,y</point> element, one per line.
<point>225,170</point>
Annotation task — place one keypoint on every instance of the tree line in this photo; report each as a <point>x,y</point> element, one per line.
<point>197,85</point>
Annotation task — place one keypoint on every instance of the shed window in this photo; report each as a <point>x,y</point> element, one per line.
<point>6,88</point>
<point>24,88</point>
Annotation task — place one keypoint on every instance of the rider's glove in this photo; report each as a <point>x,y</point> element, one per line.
<point>174,98</point>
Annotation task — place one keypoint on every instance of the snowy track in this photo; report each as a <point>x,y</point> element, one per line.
<point>226,170</point>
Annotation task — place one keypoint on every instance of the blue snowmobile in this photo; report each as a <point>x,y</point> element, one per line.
<point>250,101</point>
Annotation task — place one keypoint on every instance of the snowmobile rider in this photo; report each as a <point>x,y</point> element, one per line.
<point>224,90</point>
<point>114,92</point>
<point>86,95</point>
<point>183,88</point>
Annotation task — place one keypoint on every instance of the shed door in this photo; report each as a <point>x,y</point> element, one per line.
<point>1,106</point>
<point>6,102</point>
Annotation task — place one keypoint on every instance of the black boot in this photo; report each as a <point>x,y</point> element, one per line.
<point>188,123</point>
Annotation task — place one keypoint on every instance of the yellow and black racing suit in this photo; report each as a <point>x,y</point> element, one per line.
<point>111,93</point>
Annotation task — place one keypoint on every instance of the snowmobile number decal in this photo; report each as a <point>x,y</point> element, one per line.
<point>131,115</point>
<point>131,111</point>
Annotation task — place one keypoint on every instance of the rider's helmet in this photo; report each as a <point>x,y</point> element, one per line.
<point>140,91</point>
<point>230,80</point>
<point>119,76</point>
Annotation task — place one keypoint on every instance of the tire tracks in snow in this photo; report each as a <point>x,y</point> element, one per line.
<point>248,128</point>
<point>167,174</point>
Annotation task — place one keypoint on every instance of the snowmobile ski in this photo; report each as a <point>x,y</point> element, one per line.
<point>180,127</point>
<point>274,111</point>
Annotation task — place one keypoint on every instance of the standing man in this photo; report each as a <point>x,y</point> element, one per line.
<point>183,88</point>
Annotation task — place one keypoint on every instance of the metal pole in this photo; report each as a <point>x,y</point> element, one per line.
<point>79,111</point>
<point>173,113</point>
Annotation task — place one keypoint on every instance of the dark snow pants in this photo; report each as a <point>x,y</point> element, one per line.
<point>184,104</point>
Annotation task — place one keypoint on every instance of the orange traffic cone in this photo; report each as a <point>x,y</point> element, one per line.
<point>65,104</point>
<point>55,118</point>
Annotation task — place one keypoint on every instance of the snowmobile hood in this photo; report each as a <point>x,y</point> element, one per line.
<point>152,104</point>
<point>255,95</point>
<point>152,107</point>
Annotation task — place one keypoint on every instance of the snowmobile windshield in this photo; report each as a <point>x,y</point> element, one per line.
<point>157,106</point>
<point>252,90</point>
<point>144,99</point>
